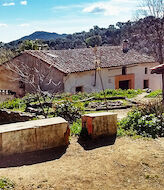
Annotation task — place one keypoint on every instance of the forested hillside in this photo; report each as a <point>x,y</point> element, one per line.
<point>142,36</point>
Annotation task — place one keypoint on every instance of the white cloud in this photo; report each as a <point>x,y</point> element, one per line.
<point>102,7</point>
<point>69,7</point>
<point>75,19</point>
<point>24,25</point>
<point>111,8</point>
<point>8,4</point>
<point>23,2</point>
<point>3,25</point>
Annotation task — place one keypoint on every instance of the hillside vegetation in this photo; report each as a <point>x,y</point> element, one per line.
<point>138,33</point>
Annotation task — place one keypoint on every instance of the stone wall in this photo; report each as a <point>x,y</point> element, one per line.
<point>7,117</point>
<point>34,135</point>
<point>100,124</point>
<point>9,79</point>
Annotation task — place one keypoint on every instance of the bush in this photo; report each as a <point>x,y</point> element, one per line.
<point>76,127</point>
<point>146,120</point>
<point>68,111</point>
<point>6,184</point>
<point>13,104</point>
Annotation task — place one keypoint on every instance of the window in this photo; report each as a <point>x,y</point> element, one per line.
<point>124,85</point>
<point>79,89</point>
<point>109,80</point>
<point>146,84</point>
<point>146,70</point>
<point>123,70</point>
<point>21,85</point>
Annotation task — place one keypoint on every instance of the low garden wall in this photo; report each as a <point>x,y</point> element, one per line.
<point>33,135</point>
<point>98,124</point>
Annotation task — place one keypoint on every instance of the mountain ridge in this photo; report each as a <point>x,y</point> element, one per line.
<point>40,35</point>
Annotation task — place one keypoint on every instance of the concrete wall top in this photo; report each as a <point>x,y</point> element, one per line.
<point>99,114</point>
<point>31,124</point>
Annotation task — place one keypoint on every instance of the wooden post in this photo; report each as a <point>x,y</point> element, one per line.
<point>163,88</point>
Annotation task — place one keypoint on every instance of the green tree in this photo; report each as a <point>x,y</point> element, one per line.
<point>29,45</point>
<point>94,41</point>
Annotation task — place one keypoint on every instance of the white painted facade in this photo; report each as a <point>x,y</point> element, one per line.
<point>86,79</point>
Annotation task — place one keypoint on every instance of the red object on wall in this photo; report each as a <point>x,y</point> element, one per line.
<point>89,126</point>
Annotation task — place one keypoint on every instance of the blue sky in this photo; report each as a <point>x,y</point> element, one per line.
<point>22,17</point>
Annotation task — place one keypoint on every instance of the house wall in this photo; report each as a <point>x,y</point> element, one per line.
<point>86,79</point>
<point>52,78</point>
<point>8,82</point>
<point>155,81</point>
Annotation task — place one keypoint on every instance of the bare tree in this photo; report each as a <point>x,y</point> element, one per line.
<point>35,80</point>
<point>152,8</point>
<point>152,28</point>
<point>5,54</point>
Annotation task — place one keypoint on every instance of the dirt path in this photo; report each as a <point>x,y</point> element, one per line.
<point>141,98</point>
<point>121,113</point>
<point>126,165</point>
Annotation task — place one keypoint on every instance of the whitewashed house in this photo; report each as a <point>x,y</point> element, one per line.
<point>76,71</point>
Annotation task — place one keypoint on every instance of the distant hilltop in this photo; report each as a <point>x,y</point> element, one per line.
<point>137,32</point>
<point>40,35</point>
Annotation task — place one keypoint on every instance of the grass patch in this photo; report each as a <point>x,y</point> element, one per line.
<point>155,94</point>
<point>6,184</point>
<point>16,104</point>
<point>60,99</point>
<point>130,93</point>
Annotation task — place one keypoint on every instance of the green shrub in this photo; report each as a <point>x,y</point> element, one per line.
<point>153,107</point>
<point>68,111</point>
<point>76,127</point>
<point>154,94</point>
<point>146,120</point>
<point>13,104</point>
<point>129,132</point>
<point>6,184</point>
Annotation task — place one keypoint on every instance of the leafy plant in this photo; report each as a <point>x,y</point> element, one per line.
<point>6,184</point>
<point>146,120</point>
<point>68,111</point>
<point>76,127</point>
<point>14,104</point>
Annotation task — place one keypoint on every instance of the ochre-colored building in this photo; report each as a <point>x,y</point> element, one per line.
<point>80,70</point>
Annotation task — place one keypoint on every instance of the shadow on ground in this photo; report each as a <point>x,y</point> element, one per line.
<point>32,157</point>
<point>88,143</point>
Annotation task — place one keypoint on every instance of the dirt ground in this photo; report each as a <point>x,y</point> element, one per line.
<point>121,113</point>
<point>126,165</point>
<point>108,164</point>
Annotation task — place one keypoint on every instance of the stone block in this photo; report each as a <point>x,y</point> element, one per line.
<point>99,124</point>
<point>33,135</point>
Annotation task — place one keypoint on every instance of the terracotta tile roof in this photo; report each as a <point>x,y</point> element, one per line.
<point>78,60</point>
<point>158,69</point>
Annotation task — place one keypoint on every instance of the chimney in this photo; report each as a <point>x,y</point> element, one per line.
<point>125,47</point>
